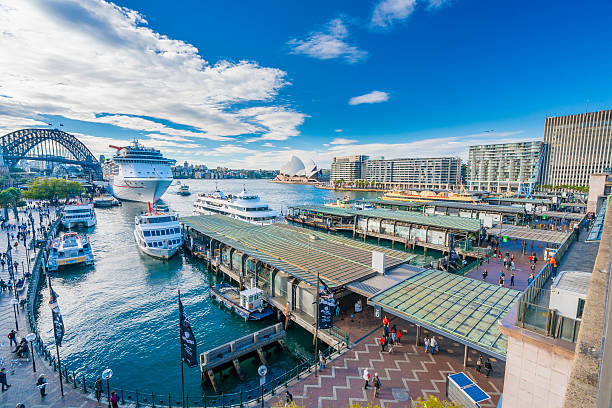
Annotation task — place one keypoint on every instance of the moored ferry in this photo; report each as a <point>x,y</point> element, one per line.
<point>138,173</point>
<point>69,249</point>
<point>250,304</point>
<point>158,234</point>
<point>246,207</point>
<point>78,213</point>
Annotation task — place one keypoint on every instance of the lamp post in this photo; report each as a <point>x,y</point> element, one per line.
<point>31,337</point>
<point>15,302</point>
<point>106,375</point>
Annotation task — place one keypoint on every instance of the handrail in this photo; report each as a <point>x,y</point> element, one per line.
<point>237,399</point>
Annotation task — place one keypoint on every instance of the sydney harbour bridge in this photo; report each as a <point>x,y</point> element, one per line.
<point>48,145</point>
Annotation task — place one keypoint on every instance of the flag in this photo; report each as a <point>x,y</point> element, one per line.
<point>58,322</point>
<point>188,341</point>
<point>326,313</point>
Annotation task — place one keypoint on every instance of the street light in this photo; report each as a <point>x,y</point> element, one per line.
<point>15,302</point>
<point>31,337</point>
<point>106,375</point>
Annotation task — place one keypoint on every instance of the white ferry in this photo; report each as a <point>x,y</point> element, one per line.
<point>78,213</point>
<point>184,190</point>
<point>158,234</point>
<point>138,173</point>
<point>69,249</point>
<point>244,206</point>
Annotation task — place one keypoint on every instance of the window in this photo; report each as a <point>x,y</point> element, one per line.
<point>163,232</point>
<point>580,309</point>
<point>154,244</point>
<point>147,233</point>
<point>149,245</point>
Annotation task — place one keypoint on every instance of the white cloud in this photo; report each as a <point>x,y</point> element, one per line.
<point>276,123</point>
<point>342,141</point>
<point>98,62</point>
<point>329,44</point>
<point>387,11</point>
<point>435,4</point>
<point>267,144</point>
<point>372,97</point>
<point>9,123</point>
<point>338,130</point>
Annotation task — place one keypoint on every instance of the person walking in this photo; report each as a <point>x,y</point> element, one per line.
<point>5,385</point>
<point>12,336</point>
<point>98,389</point>
<point>479,363</point>
<point>488,367</point>
<point>530,279</point>
<point>399,336</point>
<point>393,335</point>
<point>426,341</point>
<point>288,398</point>
<point>114,399</point>
<point>41,383</point>
<point>433,345</point>
<point>366,378</point>
<point>485,274</point>
<point>321,361</point>
<point>376,385</point>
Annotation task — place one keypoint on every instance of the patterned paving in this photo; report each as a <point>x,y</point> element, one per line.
<point>407,373</point>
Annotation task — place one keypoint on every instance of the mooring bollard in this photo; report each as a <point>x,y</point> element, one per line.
<point>84,385</point>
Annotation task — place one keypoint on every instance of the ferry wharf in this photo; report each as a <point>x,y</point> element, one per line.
<point>285,261</point>
<point>410,229</point>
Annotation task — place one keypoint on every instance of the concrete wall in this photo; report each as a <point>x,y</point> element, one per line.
<point>536,374</point>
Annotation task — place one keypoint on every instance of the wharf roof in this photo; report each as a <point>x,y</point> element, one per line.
<point>566,215</point>
<point>454,204</point>
<point>464,309</point>
<point>296,251</point>
<point>539,201</point>
<point>573,281</point>
<point>529,234</point>
<point>410,217</point>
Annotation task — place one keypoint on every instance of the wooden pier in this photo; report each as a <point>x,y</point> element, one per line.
<point>232,352</point>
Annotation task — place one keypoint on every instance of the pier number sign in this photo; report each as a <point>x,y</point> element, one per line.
<point>262,371</point>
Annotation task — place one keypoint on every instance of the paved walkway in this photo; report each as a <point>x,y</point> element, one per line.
<point>406,373</point>
<point>19,371</point>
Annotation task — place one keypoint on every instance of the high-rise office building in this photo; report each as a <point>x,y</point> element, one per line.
<point>503,167</point>
<point>433,172</point>
<point>348,168</point>
<point>577,146</point>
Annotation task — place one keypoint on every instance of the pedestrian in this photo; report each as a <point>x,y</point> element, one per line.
<point>321,361</point>
<point>288,398</point>
<point>41,383</point>
<point>488,367</point>
<point>532,266</point>
<point>433,345</point>
<point>366,378</point>
<point>512,280</point>
<point>376,385</point>
<point>337,310</point>
<point>393,335</point>
<point>98,389</point>
<point>386,331</point>
<point>3,379</point>
<point>399,336</point>
<point>426,341</point>
<point>485,274</point>
<point>385,321</point>
<point>114,400</point>
<point>501,282</point>
<point>479,363</point>
<point>12,336</point>
<point>383,341</point>
<point>530,279</point>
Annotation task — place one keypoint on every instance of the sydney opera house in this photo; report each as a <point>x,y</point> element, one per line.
<point>294,171</point>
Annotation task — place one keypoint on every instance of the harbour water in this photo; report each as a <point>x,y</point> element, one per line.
<point>122,313</point>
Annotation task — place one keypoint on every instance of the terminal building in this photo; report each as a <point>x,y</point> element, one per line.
<point>504,167</point>
<point>348,168</point>
<point>578,146</point>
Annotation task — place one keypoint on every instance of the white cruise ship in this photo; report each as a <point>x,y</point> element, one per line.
<point>138,173</point>
<point>78,213</point>
<point>244,206</point>
<point>158,234</point>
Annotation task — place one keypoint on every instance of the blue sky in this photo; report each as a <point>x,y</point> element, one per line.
<point>247,84</point>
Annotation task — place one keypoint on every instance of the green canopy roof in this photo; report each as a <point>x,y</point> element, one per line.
<point>464,309</point>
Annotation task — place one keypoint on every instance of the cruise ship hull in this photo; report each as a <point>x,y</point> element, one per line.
<point>139,189</point>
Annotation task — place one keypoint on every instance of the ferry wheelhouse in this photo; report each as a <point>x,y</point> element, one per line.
<point>69,249</point>
<point>78,213</point>
<point>158,234</point>
<point>246,207</point>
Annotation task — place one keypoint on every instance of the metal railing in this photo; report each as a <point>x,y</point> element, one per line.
<point>247,397</point>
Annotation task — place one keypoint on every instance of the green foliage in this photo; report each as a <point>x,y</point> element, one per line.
<point>10,197</point>
<point>433,402</point>
<point>47,188</point>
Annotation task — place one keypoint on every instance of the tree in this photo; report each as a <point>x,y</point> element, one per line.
<point>10,197</point>
<point>49,188</point>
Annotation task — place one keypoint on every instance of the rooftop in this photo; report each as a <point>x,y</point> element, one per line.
<point>454,204</point>
<point>573,281</point>
<point>299,252</point>
<point>463,309</point>
<point>439,221</point>
<point>519,200</point>
<point>529,234</point>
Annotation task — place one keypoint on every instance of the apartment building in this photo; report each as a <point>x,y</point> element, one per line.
<point>433,172</point>
<point>348,168</point>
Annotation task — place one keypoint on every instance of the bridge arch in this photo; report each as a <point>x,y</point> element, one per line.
<point>45,144</point>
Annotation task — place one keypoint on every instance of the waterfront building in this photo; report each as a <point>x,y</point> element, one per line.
<point>348,168</point>
<point>413,172</point>
<point>504,167</point>
<point>577,146</point>
<point>600,187</point>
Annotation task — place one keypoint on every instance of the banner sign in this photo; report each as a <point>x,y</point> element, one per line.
<point>188,341</point>
<point>326,313</point>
